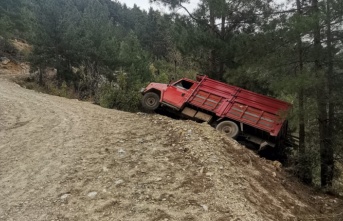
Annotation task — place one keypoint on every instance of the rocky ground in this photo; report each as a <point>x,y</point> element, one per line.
<point>64,159</point>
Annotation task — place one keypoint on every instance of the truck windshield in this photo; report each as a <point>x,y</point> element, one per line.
<point>184,84</point>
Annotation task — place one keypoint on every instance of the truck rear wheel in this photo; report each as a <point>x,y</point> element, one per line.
<point>150,101</point>
<point>229,128</point>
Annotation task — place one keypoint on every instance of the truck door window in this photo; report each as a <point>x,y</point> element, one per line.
<point>184,84</point>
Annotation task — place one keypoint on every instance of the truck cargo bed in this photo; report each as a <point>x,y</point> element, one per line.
<point>259,111</point>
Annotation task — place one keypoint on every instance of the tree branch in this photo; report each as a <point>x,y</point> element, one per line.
<point>199,20</point>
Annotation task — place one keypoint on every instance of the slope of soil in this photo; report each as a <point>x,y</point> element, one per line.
<point>69,160</point>
<point>21,46</point>
<point>10,64</point>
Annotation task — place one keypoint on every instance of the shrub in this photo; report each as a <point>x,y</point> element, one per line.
<point>122,99</point>
<point>7,49</point>
<point>107,96</point>
<point>128,100</point>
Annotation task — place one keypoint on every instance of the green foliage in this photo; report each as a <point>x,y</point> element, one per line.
<point>128,100</point>
<point>107,96</point>
<point>5,26</point>
<point>130,51</point>
<point>64,89</point>
<point>118,96</point>
<point>13,18</point>
<point>6,48</point>
<point>306,167</point>
<point>164,71</point>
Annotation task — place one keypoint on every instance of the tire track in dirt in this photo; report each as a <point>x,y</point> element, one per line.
<point>28,149</point>
<point>42,138</point>
<point>31,137</point>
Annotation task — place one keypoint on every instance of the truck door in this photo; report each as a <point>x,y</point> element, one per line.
<point>177,93</point>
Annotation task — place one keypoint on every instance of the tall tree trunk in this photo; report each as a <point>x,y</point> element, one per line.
<point>212,52</point>
<point>324,141</point>
<point>305,172</point>
<point>222,63</point>
<point>301,89</point>
<point>329,158</point>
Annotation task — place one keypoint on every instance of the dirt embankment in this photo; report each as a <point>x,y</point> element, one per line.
<point>10,64</point>
<point>69,160</point>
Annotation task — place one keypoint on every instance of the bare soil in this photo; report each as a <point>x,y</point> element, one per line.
<point>65,160</point>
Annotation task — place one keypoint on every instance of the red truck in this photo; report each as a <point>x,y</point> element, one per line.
<point>232,110</point>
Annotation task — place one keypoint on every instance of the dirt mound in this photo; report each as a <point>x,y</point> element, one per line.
<point>69,160</point>
<point>11,65</point>
<point>21,45</point>
<point>14,68</point>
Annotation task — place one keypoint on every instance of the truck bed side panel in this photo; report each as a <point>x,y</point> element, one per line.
<point>206,100</point>
<point>245,106</point>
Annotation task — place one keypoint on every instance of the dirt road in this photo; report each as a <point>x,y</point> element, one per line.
<point>64,159</point>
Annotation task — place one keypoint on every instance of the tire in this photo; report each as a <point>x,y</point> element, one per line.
<point>229,128</point>
<point>150,101</point>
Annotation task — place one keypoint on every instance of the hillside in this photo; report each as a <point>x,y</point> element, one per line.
<point>104,51</point>
<point>69,160</point>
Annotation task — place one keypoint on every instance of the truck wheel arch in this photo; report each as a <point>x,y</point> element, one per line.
<point>158,92</point>
<point>151,100</point>
<point>229,128</point>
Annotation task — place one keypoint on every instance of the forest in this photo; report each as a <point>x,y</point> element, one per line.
<point>104,51</point>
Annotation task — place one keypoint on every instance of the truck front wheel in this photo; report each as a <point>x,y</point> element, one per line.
<point>229,128</point>
<point>150,101</point>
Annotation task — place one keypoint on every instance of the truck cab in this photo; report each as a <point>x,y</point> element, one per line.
<point>174,95</point>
